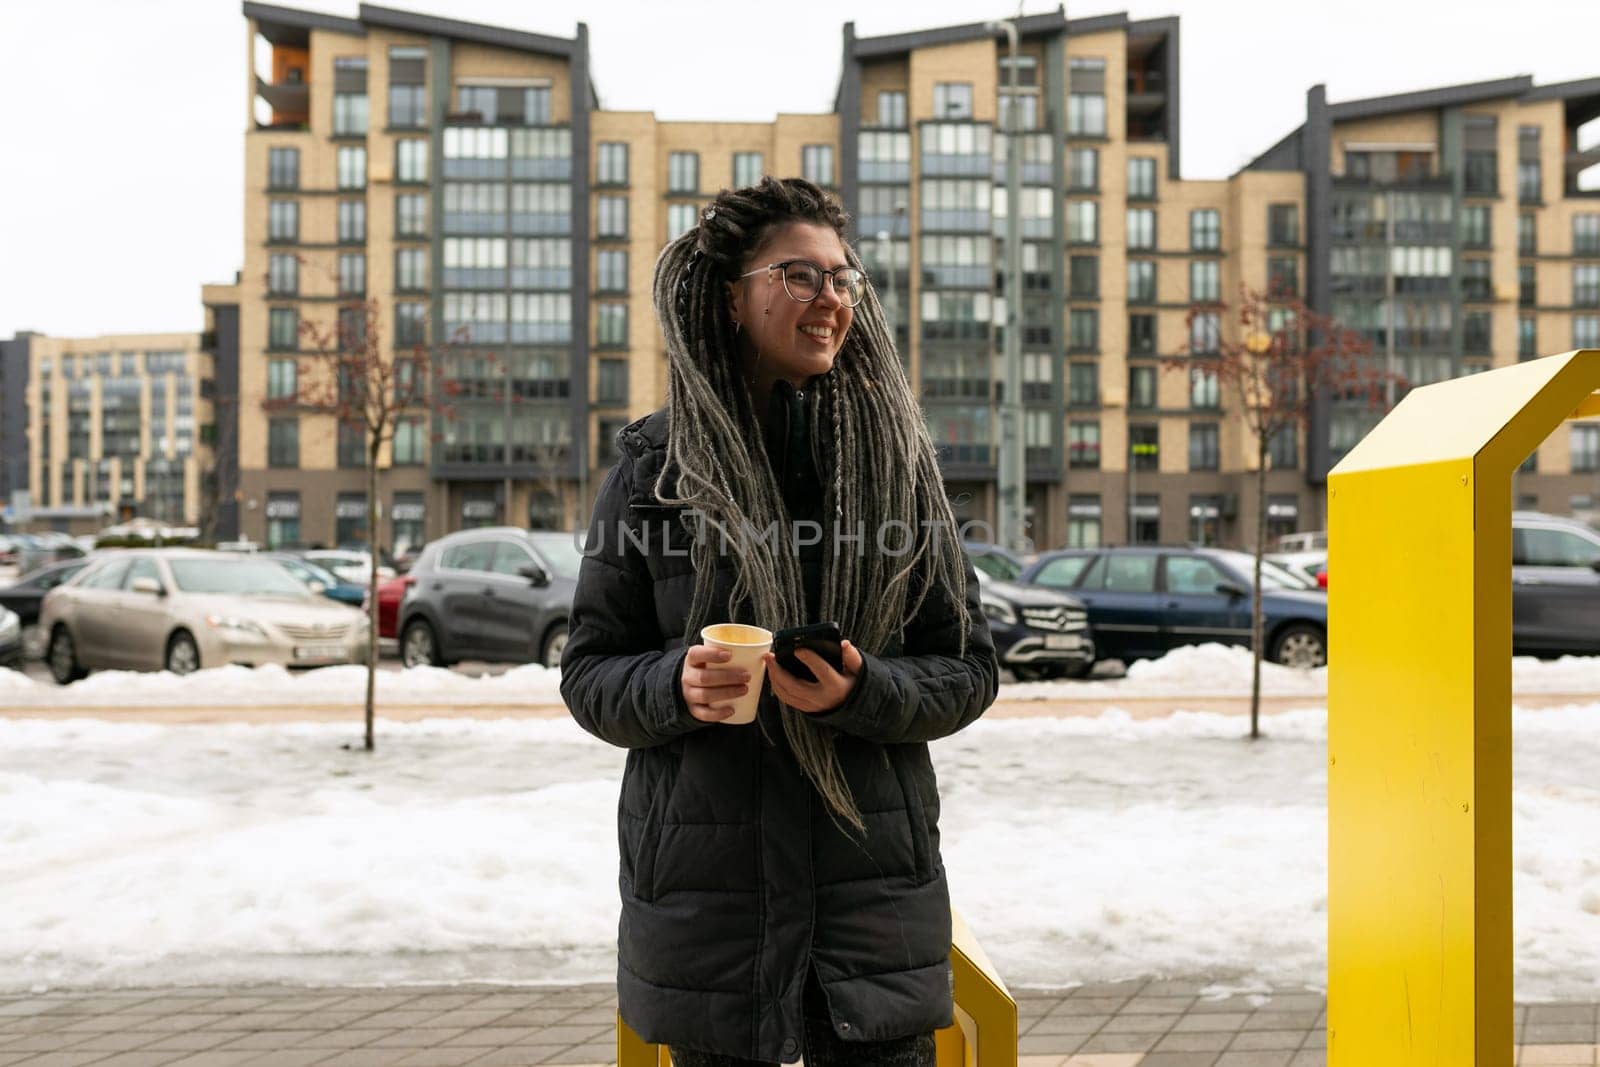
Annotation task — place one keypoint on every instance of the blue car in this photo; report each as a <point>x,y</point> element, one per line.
<point>1145,601</point>
<point>333,587</point>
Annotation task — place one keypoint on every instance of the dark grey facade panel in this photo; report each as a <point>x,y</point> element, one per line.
<point>1565,90</point>
<point>301,20</point>
<point>1174,98</point>
<point>433,26</point>
<point>848,107</point>
<point>579,367</point>
<point>1285,155</point>
<point>1098,24</point>
<point>13,416</point>
<point>1049,22</point>
<point>225,376</point>
<point>1447,96</point>
<point>1316,150</point>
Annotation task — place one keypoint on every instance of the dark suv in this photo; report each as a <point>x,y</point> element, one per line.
<point>1145,601</point>
<point>497,593</point>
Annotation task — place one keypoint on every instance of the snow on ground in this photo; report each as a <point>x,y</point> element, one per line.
<point>1196,671</point>
<point>1079,849</point>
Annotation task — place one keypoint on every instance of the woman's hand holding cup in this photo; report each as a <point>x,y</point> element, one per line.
<point>710,685</point>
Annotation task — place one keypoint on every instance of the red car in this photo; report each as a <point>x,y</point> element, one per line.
<point>390,593</point>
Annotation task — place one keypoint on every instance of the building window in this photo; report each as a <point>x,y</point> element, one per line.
<point>1083,520</point>
<point>1204,447</point>
<point>1205,230</point>
<point>536,106</point>
<point>283,329</point>
<point>1141,282</point>
<point>283,520</point>
<point>1205,390</point>
<point>411,161</point>
<point>352,221</point>
<point>283,442</point>
<point>1083,277</point>
<point>410,323</point>
<point>352,274</point>
<point>1284,447</point>
<point>1205,333</point>
<point>612,325</point>
<point>1083,332</point>
<point>612,270</point>
<point>283,220</point>
<point>282,379</point>
<point>1586,331</point>
<point>612,220</point>
<point>1527,337</point>
<point>349,96</point>
<point>352,444</point>
<point>680,220</point>
<point>892,109</point>
<point>1141,228</point>
<point>952,100</point>
<point>1083,385</point>
<point>352,162</point>
<point>1481,159</point>
<point>411,215</point>
<point>1083,222</point>
<point>1586,285</point>
<point>816,163</point>
<point>283,275</point>
<point>1527,235</point>
<point>1142,388</point>
<point>410,270</point>
<point>1283,224</point>
<point>611,382</point>
<point>1142,334</point>
<point>1144,443</point>
<point>1475,280</point>
<point>1083,445</point>
<point>1475,226</point>
<point>1585,449</point>
<point>1141,178</point>
<point>1475,333</point>
<point>410,446</point>
<point>683,172</point>
<point>1083,169</point>
<point>1205,281</point>
<point>1283,276</point>
<point>283,168</point>
<point>1528,174</point>
<point>1586,235</point>
<point>408,106</point>
<point>1086,102</point>
<point>611,165</point>
<point>480,100</point>
<point>747,168</point>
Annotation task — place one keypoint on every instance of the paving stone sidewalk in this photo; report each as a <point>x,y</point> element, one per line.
<point>1122,1024</point>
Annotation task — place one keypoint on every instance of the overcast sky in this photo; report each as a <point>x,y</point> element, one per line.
<point>121,121</point>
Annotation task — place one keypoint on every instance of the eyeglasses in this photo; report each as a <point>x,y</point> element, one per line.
<point>802,280</point>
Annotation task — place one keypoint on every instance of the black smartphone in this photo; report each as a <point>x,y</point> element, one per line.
<point>823,638</point>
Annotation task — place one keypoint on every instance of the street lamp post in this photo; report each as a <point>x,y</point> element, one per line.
<point>1012,473</point>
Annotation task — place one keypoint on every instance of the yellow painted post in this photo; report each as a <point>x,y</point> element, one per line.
<point>1419,716</point>
<point>984,1033</point>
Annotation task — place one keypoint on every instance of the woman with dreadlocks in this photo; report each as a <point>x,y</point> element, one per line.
<point>782,888</point>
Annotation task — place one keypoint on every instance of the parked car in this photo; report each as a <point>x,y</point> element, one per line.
<point>496,593</point>
<point>1038,633</point>
<point>11,651</point>
<point>1307,541</point>
<point>182,609</point>
<point>353,567</point>
<point>327,584</point>
<point>390,594</point>
<point>993,560</point>
<point>25,595</point>
<point>1311,566</point>
<point>1145,601</point>
<point>35,550</point>
<point>1555,585</point>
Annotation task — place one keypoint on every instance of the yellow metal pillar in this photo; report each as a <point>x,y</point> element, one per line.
<point>1419,716</point>
<point>985,1030</point>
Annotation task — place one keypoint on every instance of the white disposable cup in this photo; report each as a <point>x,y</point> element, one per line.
<point>747,644</point>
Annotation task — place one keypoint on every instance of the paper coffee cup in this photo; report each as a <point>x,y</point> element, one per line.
<point>748,644</point>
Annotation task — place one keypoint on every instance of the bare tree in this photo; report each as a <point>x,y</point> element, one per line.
<point>1283,355</point>
<point>345,373</point>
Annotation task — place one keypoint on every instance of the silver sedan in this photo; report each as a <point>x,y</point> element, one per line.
<point>183,609</point>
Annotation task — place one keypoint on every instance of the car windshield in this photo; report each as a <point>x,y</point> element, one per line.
<point>309,572</point>
<point>249,577</point>
<point>560,551</point>
<point>1273,576</point>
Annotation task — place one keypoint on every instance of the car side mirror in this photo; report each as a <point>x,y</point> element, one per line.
<point>534,573</point>
<point>1232,589</point>
<point>148,585</point>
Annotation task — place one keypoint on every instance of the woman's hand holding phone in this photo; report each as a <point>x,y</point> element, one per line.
<point>828,691</point>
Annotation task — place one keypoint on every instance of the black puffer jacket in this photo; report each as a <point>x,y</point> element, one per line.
<point>734,877</point>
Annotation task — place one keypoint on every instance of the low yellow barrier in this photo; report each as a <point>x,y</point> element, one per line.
<point>985,1030</point>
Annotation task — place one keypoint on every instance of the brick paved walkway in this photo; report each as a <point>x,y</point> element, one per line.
<point>1124,1024</point>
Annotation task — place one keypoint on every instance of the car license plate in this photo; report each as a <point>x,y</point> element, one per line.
<point>1063,641</point>
<point>319,652</point>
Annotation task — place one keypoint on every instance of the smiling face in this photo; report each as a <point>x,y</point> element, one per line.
<point>781,337</point>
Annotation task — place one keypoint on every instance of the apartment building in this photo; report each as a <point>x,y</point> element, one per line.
<point>104,428</point>
<point>464,177</point>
